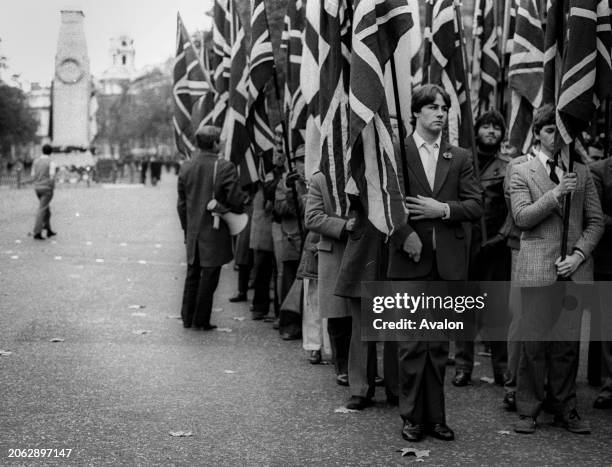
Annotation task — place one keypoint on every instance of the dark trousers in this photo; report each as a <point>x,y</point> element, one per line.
<point>200,286</point>
<point>599,368</point>
<point>339,330</point>
<point>290,322</point>
<point>422,368</point>
<point>554,359</point>
<point>489,264</point>
<point>362,360</point>
<point>43,215</point>
<point>244,273</point>
<point>264,267</point>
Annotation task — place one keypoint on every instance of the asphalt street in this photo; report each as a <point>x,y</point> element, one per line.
<point>94,360</point>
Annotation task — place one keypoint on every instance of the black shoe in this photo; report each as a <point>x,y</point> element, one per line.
<point>240,297</point>
<point>289,337</point>
<point>186,326</point>
<point>315,357</point>
<point>412,431</point>
<point>38,237</point>
<point>208,327</point>
<point>441,431</point>
<point>358,403</point>
<point>510,401</point>
<point>526,425</point>
<point>51,233</point>
<point>257,315</point>
<point>379,382</point>
<point>573,423</point>
<point>462,378</point>
<point>342,379</point>
<point>603,403</point>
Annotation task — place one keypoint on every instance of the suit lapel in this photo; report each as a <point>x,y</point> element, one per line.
<point>415,166</point>
<point>442,168</point>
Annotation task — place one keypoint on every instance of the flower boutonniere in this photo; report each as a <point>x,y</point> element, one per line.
<point>447,155</point>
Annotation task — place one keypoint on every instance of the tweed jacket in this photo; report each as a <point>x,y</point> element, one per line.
<point>602,176</point>
<point>320,218</point>
<point>455,184</point>
<point>195,190</point>
<point>539,216</point>
<point>509,230</point>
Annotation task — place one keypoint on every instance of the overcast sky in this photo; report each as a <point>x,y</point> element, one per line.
<point>29,31</point>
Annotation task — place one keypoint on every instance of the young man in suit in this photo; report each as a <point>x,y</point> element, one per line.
<point>432,246</point>
<point>549,350</point>
<point>201,179</point>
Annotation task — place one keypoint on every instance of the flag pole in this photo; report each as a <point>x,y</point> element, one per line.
<point>607,128</point>
<point>400,124</point>
<point>285,135</point>
<point>470,115</point>
<point>501,42</point>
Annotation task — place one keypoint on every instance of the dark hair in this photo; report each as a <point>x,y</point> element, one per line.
<point>491,117</point>
<point>47,149</point>
<point>544,116</point>
<point>204,142</point>
<point>425,95</point>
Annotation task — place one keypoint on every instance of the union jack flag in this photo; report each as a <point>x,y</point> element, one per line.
<point>260,73</point>
<point>309,83</point>
<point>486,69</point>
<point>291,45</point>
<point>334,61</point>
<point>582,77</point>
<point>223,38</point>
<point>415,42</point>
<point>525,75</point>
<point>378,26</point>
<point>443,65</point>
<point>238,148</point>
<point>190,85</point>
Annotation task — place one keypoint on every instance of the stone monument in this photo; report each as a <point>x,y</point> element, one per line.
<point>72,87</point>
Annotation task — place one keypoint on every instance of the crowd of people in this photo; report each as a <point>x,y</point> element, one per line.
<point>496,218</point>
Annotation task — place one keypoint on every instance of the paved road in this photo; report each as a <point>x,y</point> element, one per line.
<point>113,394</point>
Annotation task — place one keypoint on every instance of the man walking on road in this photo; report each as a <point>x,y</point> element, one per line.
<point>43,177</point>
<point>202,179</point>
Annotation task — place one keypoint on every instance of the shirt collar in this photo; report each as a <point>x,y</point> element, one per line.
<point>419,141</point>
<point>543,158</point>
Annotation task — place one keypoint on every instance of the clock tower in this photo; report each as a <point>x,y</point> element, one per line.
<point>71,84</point>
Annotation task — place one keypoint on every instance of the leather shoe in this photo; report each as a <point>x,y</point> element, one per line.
<point>462,378</point>
<point>240,297</point>
<point>526,425</point>
<point>358,403</point>
<point>208,327</point>
<point>603,403</point>
<point>315,357</point>
<point>51,233</point>
<point>342,379</point>
<point>573,423</point>
<point>412,431</point>
<point>288,337</point>
<point>441,431</point>
<point>510,401</point>
<point>257,315</point>
<point>38,237</point>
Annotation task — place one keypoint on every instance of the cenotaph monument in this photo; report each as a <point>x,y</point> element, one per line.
<point>72,86</point>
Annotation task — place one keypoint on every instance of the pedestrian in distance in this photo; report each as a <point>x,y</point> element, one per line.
<point>43,178</point>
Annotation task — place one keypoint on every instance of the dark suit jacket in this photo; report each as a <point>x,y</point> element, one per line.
<point>454,184</point>
<point>195,190</point>
<point>602,176</point>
